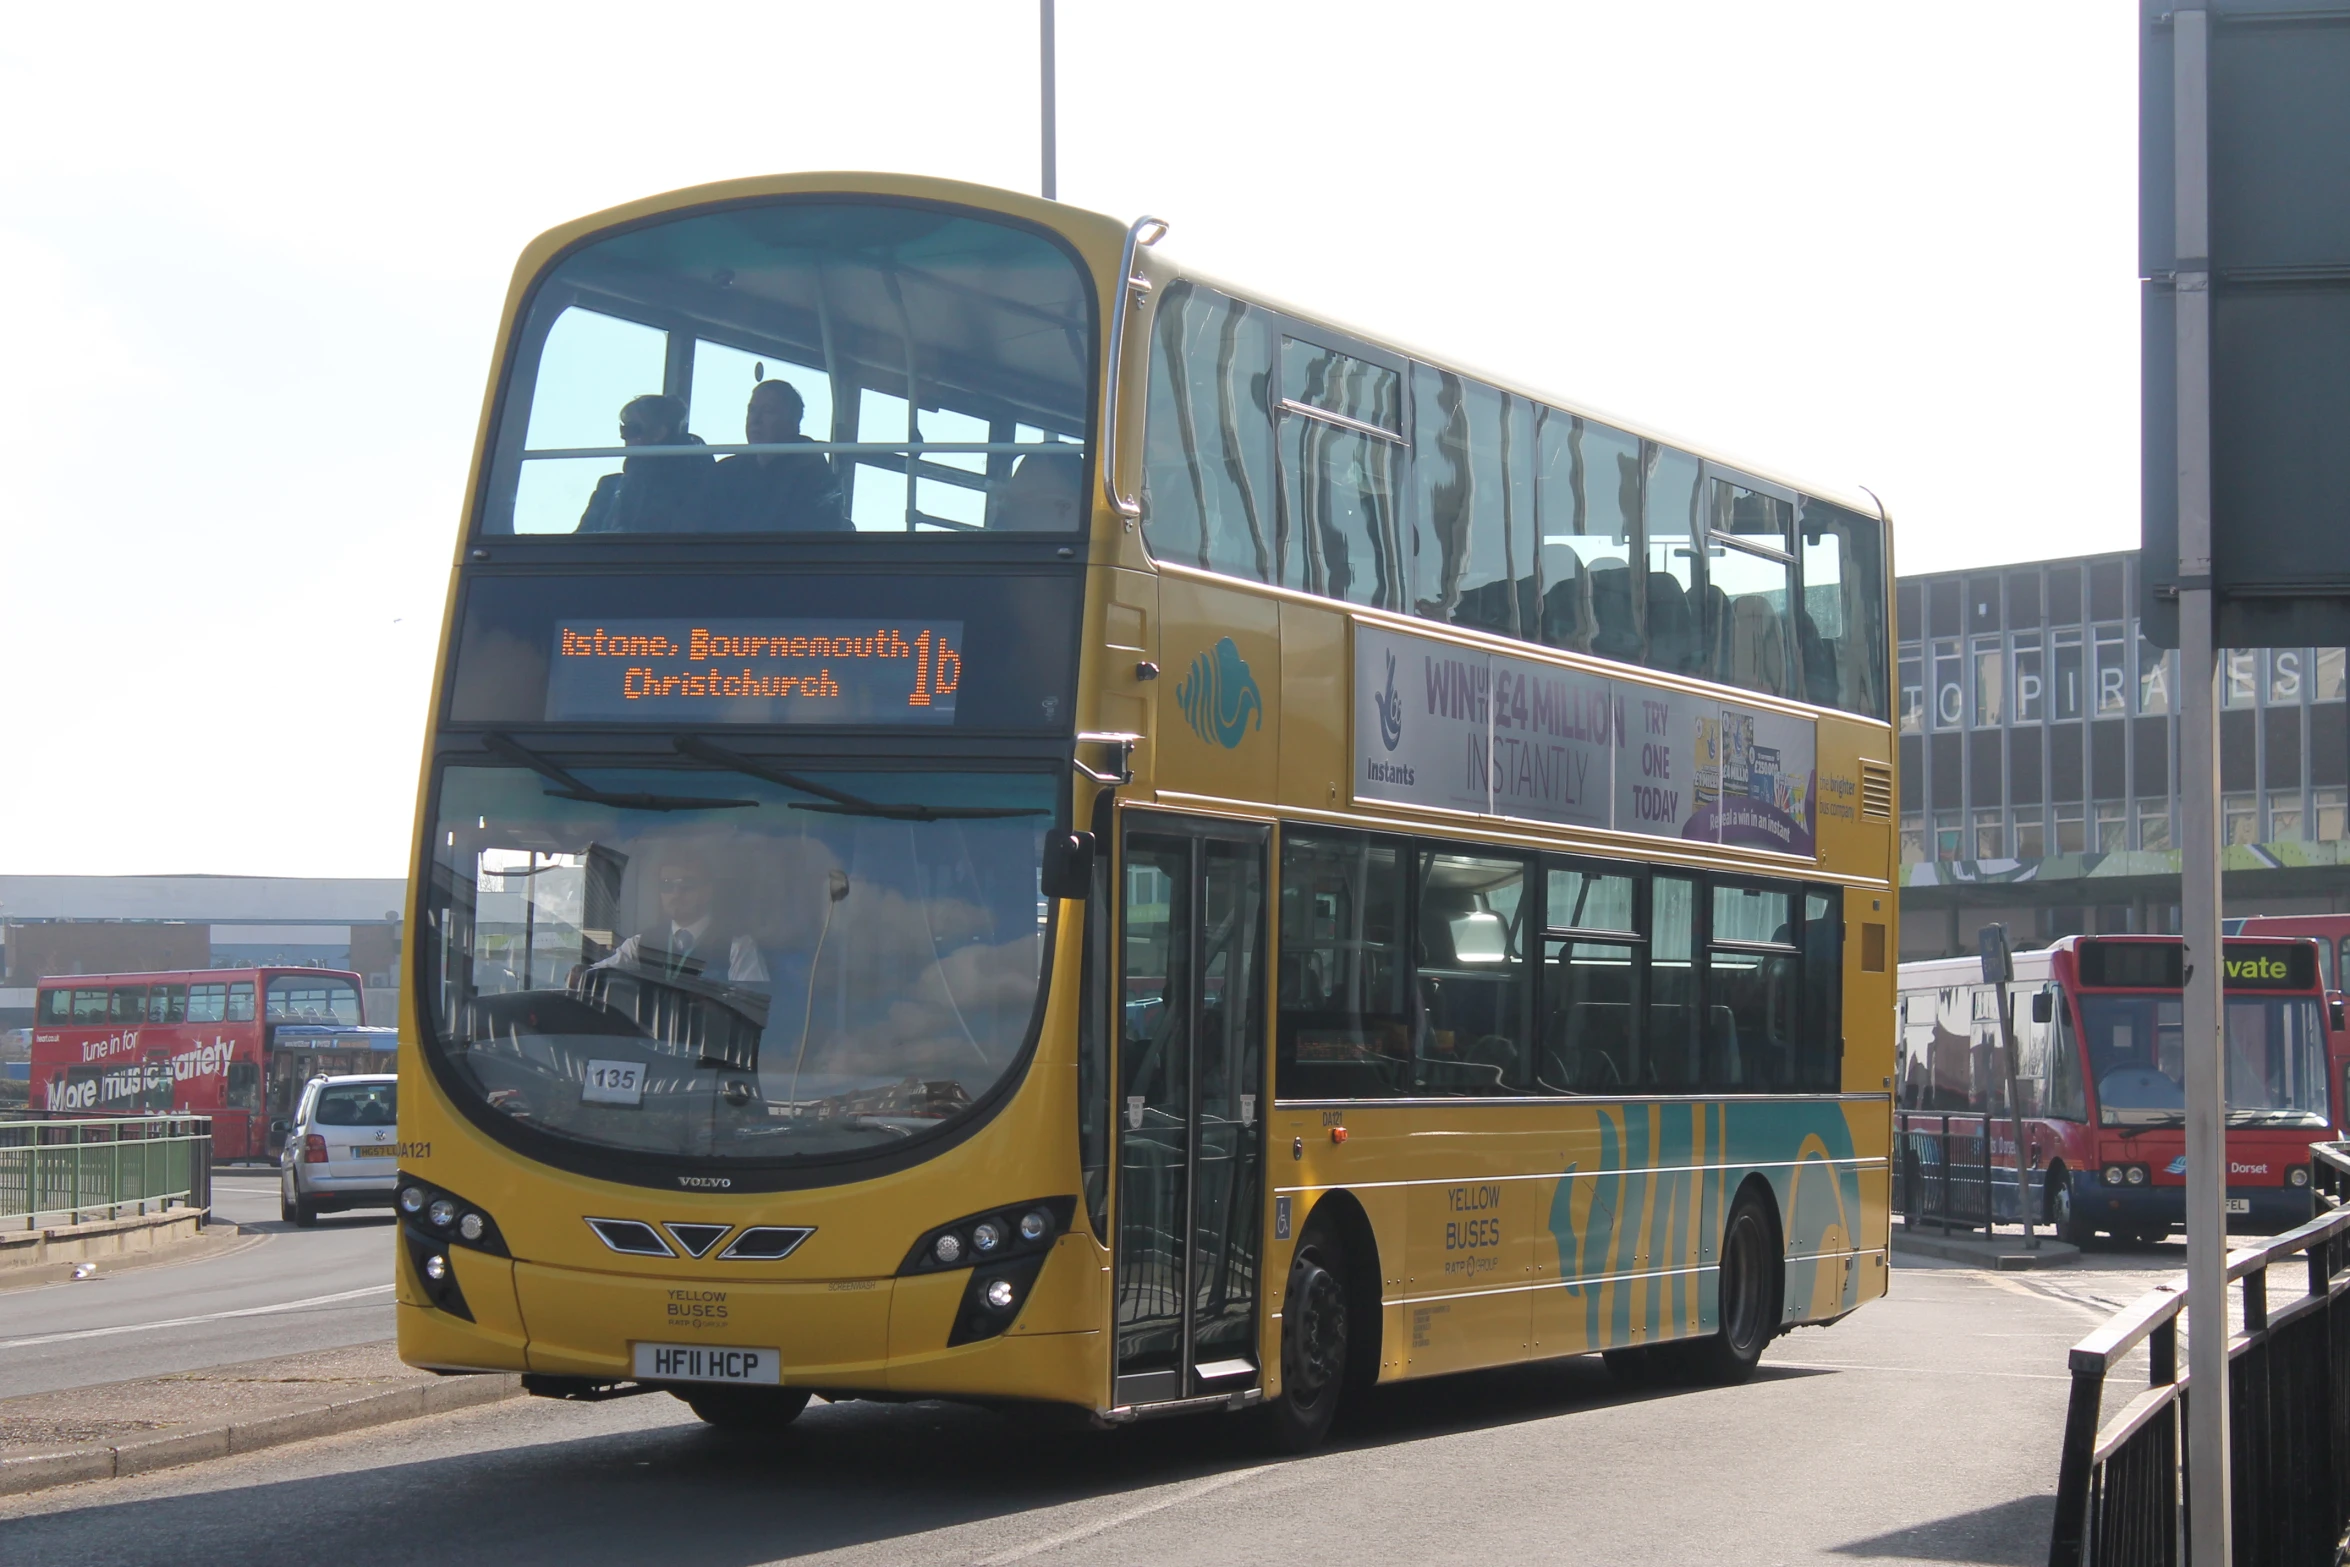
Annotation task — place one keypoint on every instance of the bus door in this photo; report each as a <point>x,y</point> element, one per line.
<point>1190,1128</point>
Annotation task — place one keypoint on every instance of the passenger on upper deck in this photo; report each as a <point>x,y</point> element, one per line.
<point>1040,496</point>
<point>650,494</point>
<point>774,492</point>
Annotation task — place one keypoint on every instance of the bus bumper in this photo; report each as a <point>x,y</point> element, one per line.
<point>2266,1209</point>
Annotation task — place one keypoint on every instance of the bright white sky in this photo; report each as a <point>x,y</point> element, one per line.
<point>255,257</point>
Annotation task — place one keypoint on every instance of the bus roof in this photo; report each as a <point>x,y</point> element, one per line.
<point>189,975</point>
<point>1101,239</point>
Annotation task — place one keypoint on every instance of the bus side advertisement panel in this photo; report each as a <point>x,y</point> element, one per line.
<point>1453,728</point>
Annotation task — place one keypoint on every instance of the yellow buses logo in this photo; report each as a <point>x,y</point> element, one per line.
<point>1220,699</point>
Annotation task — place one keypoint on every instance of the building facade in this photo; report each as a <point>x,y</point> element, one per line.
<point>2039,762</point>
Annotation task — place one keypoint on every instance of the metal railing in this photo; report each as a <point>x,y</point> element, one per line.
<point>1942,1172</point>
<point>2121,1487</point>
<point>67,1171</point>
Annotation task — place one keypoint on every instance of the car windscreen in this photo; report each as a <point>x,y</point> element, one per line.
<point>710,964</point>
<point>357,1104</point>
<point>801,366</point>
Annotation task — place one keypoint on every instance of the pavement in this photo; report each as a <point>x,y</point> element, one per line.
<point>269,1288</point>
<point>1923,1428</point>
<point>2008,1251</point>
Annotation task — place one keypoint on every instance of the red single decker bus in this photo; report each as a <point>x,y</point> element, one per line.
<point>232,1044</point>
<point>2100,1074</point>
<point>2331,932</point>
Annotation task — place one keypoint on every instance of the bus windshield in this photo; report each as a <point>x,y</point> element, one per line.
<point>2276,1060</point>
<point>801,366</point>
<point>721,965</point>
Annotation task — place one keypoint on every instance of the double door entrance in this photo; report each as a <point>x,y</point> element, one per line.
<point>1190,1016</point>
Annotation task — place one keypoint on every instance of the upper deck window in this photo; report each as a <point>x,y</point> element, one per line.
<point>801,367</point>
<point>1279,460</point>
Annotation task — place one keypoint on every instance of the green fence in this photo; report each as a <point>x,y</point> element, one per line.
<point>56,1172</point>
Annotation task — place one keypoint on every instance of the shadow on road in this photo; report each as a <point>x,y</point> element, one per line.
<point>2012,1532</point>
<point>844,1475</point>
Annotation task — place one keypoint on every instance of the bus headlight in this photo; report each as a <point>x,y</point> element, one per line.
<point>433,1221</point>
<point>2137,1175</point>
<point>2113,1175</point>
<point>1000,1294</point>
<point>986,1235</point>
<point>2299,1175</point>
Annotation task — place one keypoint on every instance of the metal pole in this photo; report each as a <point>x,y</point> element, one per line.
<point>2015,1120</point>
<point>2208,1543</point>
<point>1044,18</point>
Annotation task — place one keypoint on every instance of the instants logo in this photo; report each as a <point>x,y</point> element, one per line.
<point>1220,699</point>
<point>1390,707</point>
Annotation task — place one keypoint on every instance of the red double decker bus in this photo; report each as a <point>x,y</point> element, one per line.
<point>2100,1074</point>
<point>232,1044</point>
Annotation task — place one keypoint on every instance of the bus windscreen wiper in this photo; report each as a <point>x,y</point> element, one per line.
<point>837,802</point>
<point>574,789</point>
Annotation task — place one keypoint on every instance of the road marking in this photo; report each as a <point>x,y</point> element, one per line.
<point>210,1316</point>
<point>1176,1498</point>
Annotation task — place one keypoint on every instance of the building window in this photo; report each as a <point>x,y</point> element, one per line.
<point>2239,818</point>
<point>2030,689</point>
<point>2329,675</point>
<point>2327,809</point>
<point>2113,675</point>
<point>2284,676</point>
<point>2072,834</point>
<point>2239,680</point>
<point>2031,836</point>
<point>1949,833</point>
<point>2065,695</point>
<point>1913,837</point>
<point>1949,693</point>
<point>2154,678</point>
<point>1990,683</point>
<point>2153,827</point>
<point>1990,836</point>
<point>2284,815</point>
<point>2113,826</point>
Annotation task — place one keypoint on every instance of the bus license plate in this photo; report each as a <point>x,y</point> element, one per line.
<point>377,1151</point>
<point>2239,1205</point>
<point>708,1363</point>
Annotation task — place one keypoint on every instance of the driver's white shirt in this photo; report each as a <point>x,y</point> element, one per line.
<point>744,965</point>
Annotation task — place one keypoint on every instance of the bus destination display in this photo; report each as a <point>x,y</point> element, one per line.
<point>2161,965</point>
<point>736,671</point>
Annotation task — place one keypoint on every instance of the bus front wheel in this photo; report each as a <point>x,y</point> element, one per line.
<point>2069,1226</point>
<point>1313,1344</point>
<point>749,1409</point>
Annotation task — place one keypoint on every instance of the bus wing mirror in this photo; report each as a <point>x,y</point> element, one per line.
<point>2043,1006</point>
<point>1068,865</point>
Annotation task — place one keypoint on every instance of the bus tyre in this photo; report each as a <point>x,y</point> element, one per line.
<point>747,1409</point>
<point>1313,1344</point>
<point>2069,1226</point>
<point>1752,1285</point>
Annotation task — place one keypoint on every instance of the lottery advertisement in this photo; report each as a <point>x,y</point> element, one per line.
<point>1458,729</point>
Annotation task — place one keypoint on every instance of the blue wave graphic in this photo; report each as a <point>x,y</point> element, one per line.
<point>1219,697</point>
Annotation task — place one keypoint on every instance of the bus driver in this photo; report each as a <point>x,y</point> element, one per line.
<point>689,939</point>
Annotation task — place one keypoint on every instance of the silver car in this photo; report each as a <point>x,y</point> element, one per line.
<point>342,1149</point>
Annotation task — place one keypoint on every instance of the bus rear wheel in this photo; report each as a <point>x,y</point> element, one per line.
<point>1752,1286</point>
<point>1314,1333</point>
<point>747,1409</point>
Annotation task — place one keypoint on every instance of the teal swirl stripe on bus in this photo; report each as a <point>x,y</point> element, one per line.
<point>1667,1175</point>
<point>1219,696</point>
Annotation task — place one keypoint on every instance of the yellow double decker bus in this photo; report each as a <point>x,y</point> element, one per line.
<point>1003,821</point>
